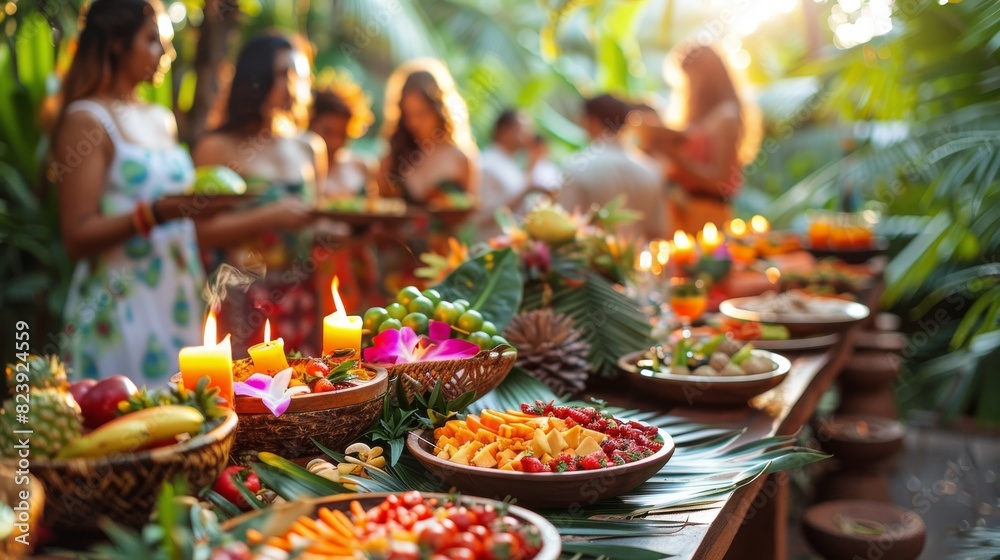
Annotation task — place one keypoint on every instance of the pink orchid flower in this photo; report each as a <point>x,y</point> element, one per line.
<point>405,346</point>
<point>274,391</point>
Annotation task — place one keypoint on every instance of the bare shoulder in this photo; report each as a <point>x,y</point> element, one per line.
<point>214,148</point>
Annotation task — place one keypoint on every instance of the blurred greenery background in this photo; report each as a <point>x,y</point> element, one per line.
<point>894,103</point>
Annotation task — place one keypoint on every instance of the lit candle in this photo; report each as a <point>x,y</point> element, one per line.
<point>341,330</point>
<point>773,275</point>
<point>213,360</point>
<point>683,249</point>
<point>758,224</point>
<point>737,228</point>
<point>645,261</point>
<point>709,238</point>
<point>268,356</point>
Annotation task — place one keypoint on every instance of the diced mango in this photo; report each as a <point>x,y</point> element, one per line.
<point>541,441</point>
<point>486,457</point>
<point>485,436</point>
<point>509,466</point>
<point>572,436</point>
<point>587,446</point>
<point>464,435</point>
<point>462,456</point>
<point>557,423</point>
<point>556,442</point>
<point>444,454</point>
<point>595,435</point>
<point>491,421</point>
<point>473,423</point>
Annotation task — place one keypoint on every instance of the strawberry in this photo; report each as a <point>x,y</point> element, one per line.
<point>578,416</point>
<point>531,464</point>
<point>594,461</point>
<point>317,368</point>
<point>322,385</point>
<point>225,485</point>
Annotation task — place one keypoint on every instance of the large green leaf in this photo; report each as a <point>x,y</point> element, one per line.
<point>491,283</point>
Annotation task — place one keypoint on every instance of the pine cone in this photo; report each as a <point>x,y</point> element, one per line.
<point>551,349</point>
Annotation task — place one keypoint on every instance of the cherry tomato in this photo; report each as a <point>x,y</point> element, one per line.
<point>502,546</point>
<point>391,500</point>
<point>466,540</point>
<point>462,517</point>
<point>449,526</point>
<point>434,537</point>
<point>480,532</point>
<point>486,514</point>
<point>460,554</point>
<point>403,550</point>
<point>410,499</point>
<point>317,368</point>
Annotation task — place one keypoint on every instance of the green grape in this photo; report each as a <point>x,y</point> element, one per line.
<point>420,305</point>
<point>374,318</point>
<point>396,311</point>
<point>470,321</point>
<point>417,322</point>
<point>407,294</point>
<point>481,339</point>
<point>488,328</point>
<point>498,340</point>
<point>433,295</point>
<point>446,312</point>
<point>390,324</point>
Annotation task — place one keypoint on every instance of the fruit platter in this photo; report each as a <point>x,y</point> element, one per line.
<point>406,525</point>
<point>215,188</point>
<point>543,455</point>
<point>364,211</point>
<point>110,440</point>
<point>775,338</point>
<point>714,371</point>
<point>801,313</point>
<point>426,339</point>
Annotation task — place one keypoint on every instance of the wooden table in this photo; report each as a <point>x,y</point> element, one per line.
<point>752,522</point>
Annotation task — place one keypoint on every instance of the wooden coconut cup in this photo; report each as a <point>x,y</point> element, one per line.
<point>123,487</point>
<point>334,419</point>
<point>481,373</point>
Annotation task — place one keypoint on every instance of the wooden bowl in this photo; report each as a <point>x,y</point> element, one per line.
<point>124,487</point>
<point>842,316</point>
<point>892,532</point>
<point>289,512</point>
<point>851,256</point>
<point>334,419</point>
<point>701,390</point>
<point>860,440</point>
<point>481,373</point>
<point>571,489</point>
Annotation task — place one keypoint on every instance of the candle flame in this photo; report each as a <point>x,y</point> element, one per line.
<point>210,330</point>
<point>738,227</point>
<point>267,330</point>
<point>773,275</point>
<point>710,232</point>
<point>663,255</point>
<point>759,224</point>
<point>337,302</point>
<point>645,260</point>
<point>682,240</point>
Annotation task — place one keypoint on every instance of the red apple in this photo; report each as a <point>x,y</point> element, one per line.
<point>99,405</point>
<point>79,388</point>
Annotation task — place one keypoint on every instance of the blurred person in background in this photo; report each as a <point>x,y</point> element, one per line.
<point>514,167</point>
<point>283,167</point>
<point>606,169</point>
<point>134,300</point>
<point>711,135</point>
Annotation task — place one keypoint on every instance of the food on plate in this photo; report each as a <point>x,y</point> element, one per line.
<point>716,356</point>
<point>99,404</point>
<point>366,205</point>
<point>409,525</point>
<point>212,180</point>
<point>792,302</point>
<point>830,277</point>
<point>752,330</point>
<point>135,431</point>
<point>545,438</point>
<point>318,375</point>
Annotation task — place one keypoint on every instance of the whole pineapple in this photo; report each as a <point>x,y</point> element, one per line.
<point>53,416</point>
<point>43,372</point>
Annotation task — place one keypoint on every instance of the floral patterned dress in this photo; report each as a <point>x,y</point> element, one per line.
<point>133,307</point>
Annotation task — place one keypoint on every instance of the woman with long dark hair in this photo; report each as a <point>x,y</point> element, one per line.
<point>134,298</point>
<point>283,167</point>
<point>719,133</point>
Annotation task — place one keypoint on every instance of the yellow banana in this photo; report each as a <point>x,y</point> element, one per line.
<point>135,430</point>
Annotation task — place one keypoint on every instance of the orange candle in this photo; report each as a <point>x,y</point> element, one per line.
<point>819,232</point>
<point>341,330</point>
<point>268,356</point>
<point>709,238</point>
<point>213,360</point>
<point>683,249</point>
<point>737,228</point>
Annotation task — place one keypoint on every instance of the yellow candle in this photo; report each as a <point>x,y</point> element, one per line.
<point>709,238</point>
<point>268,356</point>
<point>212,360</point>
<point>683,249</point>
<point>737,228</point>
<point>759,224</point>
<point>341,330</point>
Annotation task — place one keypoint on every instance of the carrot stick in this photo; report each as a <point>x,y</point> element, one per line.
<point>359,513</point>
<point>279,542</point>
<point>344,534</point>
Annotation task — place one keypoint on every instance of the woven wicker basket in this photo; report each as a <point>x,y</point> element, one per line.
<point>481,373</point>
<point>124,487</point>
<point>334,419</point>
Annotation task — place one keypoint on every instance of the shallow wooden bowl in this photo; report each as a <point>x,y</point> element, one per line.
<point>289,512</point>
<point>894,533</point>
<point>123,487</point>
<point>573,489</point>
<point>842,315</point>
<point>700,390</point>
<point>334,419</point>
